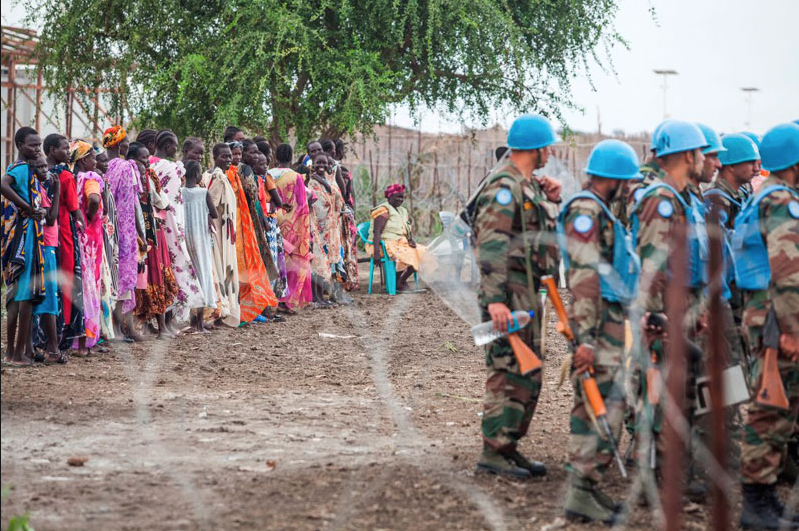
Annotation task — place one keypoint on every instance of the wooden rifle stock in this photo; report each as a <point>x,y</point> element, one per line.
<point>772,391</point>
<point>560,310</point>
<point>527,359</point>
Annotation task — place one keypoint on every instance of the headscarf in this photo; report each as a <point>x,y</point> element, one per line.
<point>394,189</point>
<point>113,136</point>
<point>77,150</point>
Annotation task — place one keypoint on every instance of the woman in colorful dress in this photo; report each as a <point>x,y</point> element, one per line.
<point>109,272</point>
<point>90,186</point>
<point>123,178</point>
<point>158,293</point>
<point>170,175</point>
<point>226,267</point>
<point>255,293</point>
<point>295,228</point>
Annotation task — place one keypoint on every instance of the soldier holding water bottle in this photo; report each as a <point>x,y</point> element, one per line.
<point>514,243</point>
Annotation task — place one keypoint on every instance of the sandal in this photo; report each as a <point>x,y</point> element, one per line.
<point>56,357</point>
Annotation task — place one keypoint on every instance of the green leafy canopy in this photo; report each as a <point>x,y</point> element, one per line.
<point>284,67</point>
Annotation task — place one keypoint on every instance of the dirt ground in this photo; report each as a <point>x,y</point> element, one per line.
<point>280,426</point>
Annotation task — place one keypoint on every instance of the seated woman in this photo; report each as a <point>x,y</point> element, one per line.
<point>391,223</point>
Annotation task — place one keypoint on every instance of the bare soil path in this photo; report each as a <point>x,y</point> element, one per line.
<point>274,426</point>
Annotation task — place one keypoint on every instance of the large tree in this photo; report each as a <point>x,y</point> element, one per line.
<point>315,66</point>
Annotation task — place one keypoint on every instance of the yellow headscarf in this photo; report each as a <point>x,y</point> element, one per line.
<point>77,150</point>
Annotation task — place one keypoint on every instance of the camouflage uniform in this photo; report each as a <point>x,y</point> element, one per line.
<point>510,398</point>
<point>733,309</point>
<point>598,323</point>
<point>767,429</point>
<point>654,249</point>
<point>652,172</point>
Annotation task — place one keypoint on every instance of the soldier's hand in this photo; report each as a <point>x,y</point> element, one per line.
<point>583,358</point>
<point>701,323</point>
<point>551,188</point>
<point>789,345</point>
<point>500,316</point>
<point>654,324</point>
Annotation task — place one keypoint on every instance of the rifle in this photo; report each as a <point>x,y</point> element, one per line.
<point>772,391</point>
<point>594,403</point>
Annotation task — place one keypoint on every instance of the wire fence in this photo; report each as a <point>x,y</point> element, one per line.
<point>440,172</point>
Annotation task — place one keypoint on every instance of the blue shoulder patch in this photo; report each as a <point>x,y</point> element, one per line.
<point>793,209</point>
<point>504,197</point>
<point>665,208</point>
<point>583,224</point>
<point>638,194</point>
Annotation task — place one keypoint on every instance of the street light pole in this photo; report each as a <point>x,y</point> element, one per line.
<point>748,91</point>
<point>665,87</point>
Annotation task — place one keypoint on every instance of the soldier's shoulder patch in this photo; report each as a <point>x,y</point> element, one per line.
<point>503,197</point>
<point>583,224</point>
<point>793,209</point>
<point>665,208</point>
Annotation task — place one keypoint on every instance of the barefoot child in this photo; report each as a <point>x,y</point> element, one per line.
<point>47,310</point>
<point>198,208</point>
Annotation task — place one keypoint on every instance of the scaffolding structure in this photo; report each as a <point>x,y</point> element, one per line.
<point>83,113</point>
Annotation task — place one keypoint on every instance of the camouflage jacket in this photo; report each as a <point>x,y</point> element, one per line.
<point>779,227</point>
<point>722,203</point>
<point>596,321</point>
<point>498,238</point>
<point>654,248</point>
<point>651,172</point>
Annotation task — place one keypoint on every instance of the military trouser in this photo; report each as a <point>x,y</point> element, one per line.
<point>590,452</point>
<point>767,430</point>
<point>510,399</point>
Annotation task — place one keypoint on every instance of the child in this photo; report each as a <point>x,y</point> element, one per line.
<point>47,310</point>
<point>198,208</point>
<point>22,260</point>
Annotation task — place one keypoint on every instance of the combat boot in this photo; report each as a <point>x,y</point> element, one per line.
<point>758,512</point>
<point>608,502</point>
<point>536,468</point>
<point>790,468</point>
<point>495,463</point>
<point>583,506</point>
<point>786,514</point>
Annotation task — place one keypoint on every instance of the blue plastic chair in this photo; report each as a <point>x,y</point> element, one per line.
<point>388,268</point>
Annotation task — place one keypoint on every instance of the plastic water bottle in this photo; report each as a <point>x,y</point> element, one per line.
<point>484,333</point>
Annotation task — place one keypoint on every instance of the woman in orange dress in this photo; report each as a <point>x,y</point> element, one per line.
<point>255,293</point>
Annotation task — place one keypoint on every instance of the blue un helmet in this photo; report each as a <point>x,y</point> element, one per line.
<point>780,147</point>
<point>677,136</point>
<point>712,138</point>
<point>654,144</point>
<point>740,148</point>
<point>531,131</point>
<point>613,159</point>
<point>753,137</point>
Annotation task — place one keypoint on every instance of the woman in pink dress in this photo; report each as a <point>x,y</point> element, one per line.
<point>295,227</point>
<point>90,187</point>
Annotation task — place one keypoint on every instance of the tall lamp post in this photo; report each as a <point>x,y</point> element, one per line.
<point>665,87</point>
<point>748,91</point>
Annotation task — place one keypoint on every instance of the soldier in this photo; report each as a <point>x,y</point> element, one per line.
<point>747,190</point>
<point>651,172</point>
<point>766,252</point>
<point>739,164</point>
<point>514,244</point>
<point>661,205</point>
<point>602,272</point>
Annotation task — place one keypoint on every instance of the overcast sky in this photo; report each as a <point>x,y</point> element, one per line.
<point>716,46</point>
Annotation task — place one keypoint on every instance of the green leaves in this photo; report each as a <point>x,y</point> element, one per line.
<point>296,67</point>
